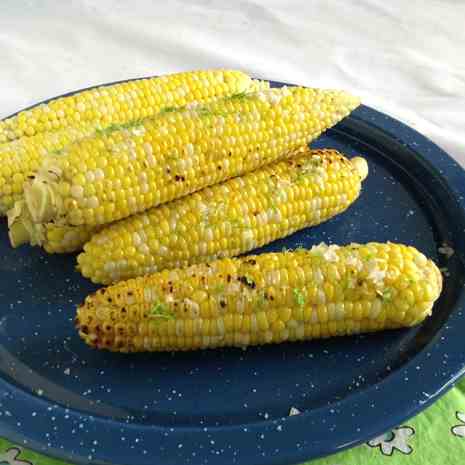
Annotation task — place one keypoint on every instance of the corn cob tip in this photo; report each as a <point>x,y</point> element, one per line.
<point>21,228</point>
<point>361,166</point>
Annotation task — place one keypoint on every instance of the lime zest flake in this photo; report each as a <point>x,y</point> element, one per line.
<point>299,298</point>
<point>161,311</point>
<point>118,127</point>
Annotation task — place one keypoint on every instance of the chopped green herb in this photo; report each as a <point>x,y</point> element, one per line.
<point>240,96</point>
<point>386,294</point>
<point>204,111</point>
<point>171,110</point>
<point>273,205</point>
<point>171,157</point>
<point>237,224</point>
<point>300,177</point>
<point>219,288</point>
<point>298,297</point>
<point>261,300</point>
<point>118,127</point>
<point>161,311</point>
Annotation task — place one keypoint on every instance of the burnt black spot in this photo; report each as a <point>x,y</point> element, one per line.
<point>130,293</point>
<point>123,310</point>
<point>222,303</point>
<point>84,329</point>
<point>228,278</point>
<point>252,261</point>
<point>219,168</point>
<point>109,299</point>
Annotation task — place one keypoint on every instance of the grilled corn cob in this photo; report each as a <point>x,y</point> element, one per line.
<point>102,179</point>
<point>123,102</point>
<point>270,298</point>
<point>107,107</point>
<point>226,219</point>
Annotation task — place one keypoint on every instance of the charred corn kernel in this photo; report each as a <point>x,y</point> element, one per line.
<point>125,101</point>
<point>273,322</point>
<point>281,120</point>
<point>21,158</point>
<point>208,224</point>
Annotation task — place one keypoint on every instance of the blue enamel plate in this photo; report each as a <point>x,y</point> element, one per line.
<point>222,407</point>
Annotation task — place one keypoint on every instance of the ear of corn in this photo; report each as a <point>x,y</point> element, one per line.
<point>121,172</point>
<point>226,219</point>
<point>105,107</point>
<point>274,201</point>
<point>327,291</point>
<point>125,101</point>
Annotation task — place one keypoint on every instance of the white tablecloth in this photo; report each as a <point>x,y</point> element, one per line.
<point>406,58</point>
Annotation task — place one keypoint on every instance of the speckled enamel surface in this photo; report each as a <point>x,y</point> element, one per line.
<point>231,406</point>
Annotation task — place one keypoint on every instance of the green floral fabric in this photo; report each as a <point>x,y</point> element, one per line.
<point>434,437</point>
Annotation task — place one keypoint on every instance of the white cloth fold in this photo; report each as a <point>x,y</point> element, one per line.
<point>404,58</point>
